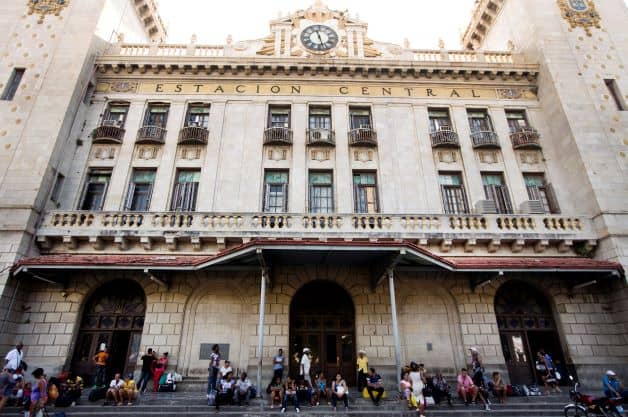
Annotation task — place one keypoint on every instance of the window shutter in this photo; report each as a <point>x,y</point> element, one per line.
<point>356,198</point>
<point>101,201</point>
<point>551,199</point>
<point>506,197</point>
<point>193,195</point>
<point>266,202</point>
<point>176,196</point>
<point>284,191</point>
<point>445,197</point>
<point>128,203</point>
<point>465,203</point>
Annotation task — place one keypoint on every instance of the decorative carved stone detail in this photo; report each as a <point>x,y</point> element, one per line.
<point>516,93</point>
<point>580,13</point>
<point>146,242</point>
<point>190,153</point>
<point>321,155</point>
<point>488,157</point>
<point>147,152</point>
<point>529,158</point>
<point>469,245</point>
<point>45,7</point>
<point>96,242</point>
<point>277,154</point>
<point>363,155</point>
<point>493,245</point>
<point>104,152</point>
<point>445,245</point>
<point>447,157</point>
<point>541,245</point>
<point>124,86</point>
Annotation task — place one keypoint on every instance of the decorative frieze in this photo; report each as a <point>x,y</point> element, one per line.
<point>104,152</point>
<point>363,155</point>
<point>147,152</point>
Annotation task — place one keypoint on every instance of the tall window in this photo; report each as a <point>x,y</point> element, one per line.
<point>95,189</point>
<point>197,116</point>
<point>439,120</point>
<point>279,116</point>
<point>479,121</point>
<point>539,189</point>
<point>360,117</point>
<point>276,191</point>
<point>453,193</point>
<point>365,192</point>
<point>516,120</point>
<point>115,115</point>
<point>13,84</point>
<point>320,118</point>
<point>321,192</point>
<point>55,195</point>
<point>613,88</point>
<point>495,189</point>
<point>156,115</point>
<point>185,190</point>
<point>140,190</point>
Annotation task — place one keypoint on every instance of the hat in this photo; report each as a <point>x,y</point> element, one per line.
<point>473,349</point>
<point>610,373</point>
<point>305,350</point>
<point>362,351</point>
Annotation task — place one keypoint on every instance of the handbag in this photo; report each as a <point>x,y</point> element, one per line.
<point>558,375</point>
<point>429,400</point>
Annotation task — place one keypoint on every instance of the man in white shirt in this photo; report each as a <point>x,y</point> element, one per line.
<point>226,369</point>
<point>243,389</point>
<point>305,365</point>
<point>114,390</point>
<point>14,358</point>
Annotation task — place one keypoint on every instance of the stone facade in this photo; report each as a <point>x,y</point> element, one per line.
<point>443,308</point>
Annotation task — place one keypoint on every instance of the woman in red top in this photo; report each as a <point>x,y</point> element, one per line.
<point>160,368</point>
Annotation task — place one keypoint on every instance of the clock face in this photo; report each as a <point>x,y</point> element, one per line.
<point>319,38</point>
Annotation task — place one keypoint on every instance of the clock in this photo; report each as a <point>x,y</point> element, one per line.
<point>319,38</point>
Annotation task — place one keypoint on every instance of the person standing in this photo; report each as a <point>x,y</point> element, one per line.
<point>214,367</point>
<point>160,368</point>
<point>305,365</point>
<point>101,367</point>
<point>147,369</point>
<point>363,365</point>
<point>6,387</point>
<point>14,358</point>
<point>39,393</point>
<point>278,361</point>
<point>418,383</point>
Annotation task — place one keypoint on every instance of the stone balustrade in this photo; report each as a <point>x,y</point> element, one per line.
<point>562,230</point>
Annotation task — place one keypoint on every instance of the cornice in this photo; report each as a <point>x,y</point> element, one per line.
<point>484,14</point>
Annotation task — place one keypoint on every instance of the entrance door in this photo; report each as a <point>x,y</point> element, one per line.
<point>322,318</point>
<point>113,317</point>
<point>526,325</point>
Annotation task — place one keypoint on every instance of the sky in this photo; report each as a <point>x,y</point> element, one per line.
<point>423,22</point>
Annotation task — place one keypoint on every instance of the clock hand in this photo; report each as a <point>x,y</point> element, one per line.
<point>319,36</point>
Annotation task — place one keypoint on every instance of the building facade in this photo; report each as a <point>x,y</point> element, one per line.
<point>317,188</point>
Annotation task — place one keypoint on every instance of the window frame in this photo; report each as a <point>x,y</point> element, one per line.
<point>615,92</point>
<point>356,193</point>
<point>92,173</point>
<point>190,201</point>
<point>106,121</point>
<point>435,122</point>
<point>544,192</point>
<point>353,110</point>
<point>266,197</point>
<point>331,198</point>
<point>274,108</point>
<point>524,113</point>
<point>503,200</point>
<point>13,84</point>
<point>132,188</point>
<point>188,113</point>
<point>464,201</point>
<point>310,116</point>
<point>486,119</point>
<point>147,114</point>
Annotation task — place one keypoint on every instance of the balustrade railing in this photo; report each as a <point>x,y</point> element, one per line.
<point>484,139</point>
<point>278,136</point>
<point>525,138</point>
<point>363,136</point>
<point>108,134</point>
<point>151,134</point>
<point>444,137</point>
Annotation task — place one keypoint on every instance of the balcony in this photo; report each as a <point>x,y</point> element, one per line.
<point>525,138</point>
<point>278,136</point>
<point>102,229</point>
<point>444,138</point>
<point>108,134</point>
<point>320,137</point>
<point>363,136</point>
<point>151,134</point>
<point>193,135</point>
<point>484,139</point>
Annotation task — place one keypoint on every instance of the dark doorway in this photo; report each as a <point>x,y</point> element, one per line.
<point>322,318</point>
<point>526,325</point>
<point>113,316</point>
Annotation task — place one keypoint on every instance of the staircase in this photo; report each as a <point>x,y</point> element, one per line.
<point>190,403</point>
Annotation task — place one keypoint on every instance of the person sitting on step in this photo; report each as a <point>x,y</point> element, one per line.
<point>114,391</point>
<point>275,391</point>
<point>129,390</point>
<point>290,393</point>
<point>339,391</point>
<point>243,389</point>
<point>375,384</point>
<point>225,393</point>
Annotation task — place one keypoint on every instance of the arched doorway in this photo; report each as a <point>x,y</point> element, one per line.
<point>526,325</point>
<point>322,317</point>
<point>113,315</point>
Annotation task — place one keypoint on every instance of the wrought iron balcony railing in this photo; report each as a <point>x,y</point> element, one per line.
<point>151,134</point>
<point>193,135</point>
<point>363,136</point>
<point>278,136</point>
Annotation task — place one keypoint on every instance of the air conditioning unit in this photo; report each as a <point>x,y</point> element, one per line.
<point>485,207</point>
<point>532,207</point>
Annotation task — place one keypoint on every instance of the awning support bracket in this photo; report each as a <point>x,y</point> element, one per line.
<point>159,281</point>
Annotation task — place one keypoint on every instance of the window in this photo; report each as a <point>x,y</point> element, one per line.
<point>276,191</point>
<point>13,84</point>
<point>365,192</point>
<point>539,189</point>
<point>439,120</point>
<point>479,121</point>
<point>495,190</point>
<point>197,116</point>
<point>157,115</point>
<point>279,116</point>
<point>89,91</point>
<point>185,190</point>
<point>453,193</point>
<point>516,120</point>
<point>140,190</point>
<point>320,118</point>
<point>360,118</point>
<point>613,88</point>
<point>115,115</point>
<point>57,187</point>
<point>95,190</point>
<point>321,192</point>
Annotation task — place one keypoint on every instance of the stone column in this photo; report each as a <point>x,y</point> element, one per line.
<point>343,179</point>
<point>350,48</point>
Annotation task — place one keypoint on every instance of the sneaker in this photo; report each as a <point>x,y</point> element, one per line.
<point>283,410</point>
<point>297,409</point>
<point>487,408</point>
<point>334,408</point>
